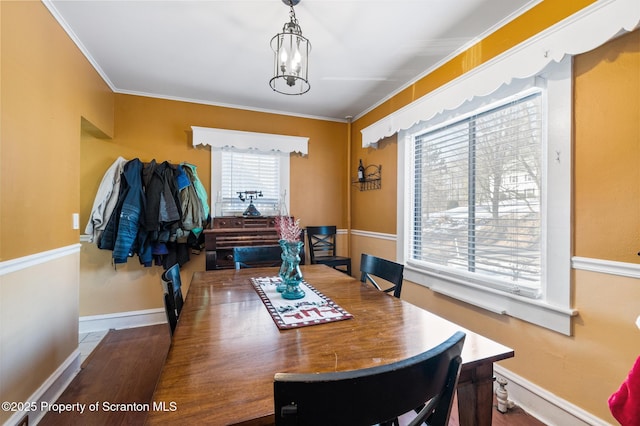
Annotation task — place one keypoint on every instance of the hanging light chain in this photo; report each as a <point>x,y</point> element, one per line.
<point>292,26</point>
<point>292,15</point>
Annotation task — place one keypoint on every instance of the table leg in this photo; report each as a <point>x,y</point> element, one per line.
<point>475,395</point>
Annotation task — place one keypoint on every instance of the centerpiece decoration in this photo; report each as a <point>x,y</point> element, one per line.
<point>290,234</point>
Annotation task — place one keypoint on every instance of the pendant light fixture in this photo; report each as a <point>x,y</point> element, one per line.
<point>291,55</point>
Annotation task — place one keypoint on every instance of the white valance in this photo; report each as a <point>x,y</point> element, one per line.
<point>266,142</point>
<point>584,31</point>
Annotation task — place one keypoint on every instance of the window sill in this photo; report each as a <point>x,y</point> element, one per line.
<point>535,311</point>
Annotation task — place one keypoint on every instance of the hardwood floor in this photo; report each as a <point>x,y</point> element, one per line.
<point>124,369</point>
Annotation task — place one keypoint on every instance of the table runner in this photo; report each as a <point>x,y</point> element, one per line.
<point>314,308</point>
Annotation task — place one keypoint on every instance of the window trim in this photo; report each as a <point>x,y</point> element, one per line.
<point>553,309</point>
<point>236,139</point>
<point>225,139</point>
<point>571,36</point>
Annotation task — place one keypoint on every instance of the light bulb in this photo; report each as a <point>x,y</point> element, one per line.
<point>295,63</point>
<point>283,56</point>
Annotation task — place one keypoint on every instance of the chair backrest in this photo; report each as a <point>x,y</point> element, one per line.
<point>173,300</point>
<point>254,256</point>
<point>322,241</point>
<point>371,266</point>
<point>302,252</point>
<point>424,384</point>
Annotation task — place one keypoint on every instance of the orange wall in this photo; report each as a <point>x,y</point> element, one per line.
<point>607,133</point>
<point>542,16</point>
<point>535,20</point>
<point>588,366</point>
<point>47,87</point>
<point>45,92</point>
<point>150,128</point>
<point>375,210</point>
<point>154,128</point>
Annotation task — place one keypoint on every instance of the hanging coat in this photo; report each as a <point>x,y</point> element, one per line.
<point>107,240</point>
<point>131,214</point>
<point>105,200</point>
<point>162,214</point>
<point>202,193</point>
<point>192,209</point>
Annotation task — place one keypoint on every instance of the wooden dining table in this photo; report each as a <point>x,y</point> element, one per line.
<point>226,348</point>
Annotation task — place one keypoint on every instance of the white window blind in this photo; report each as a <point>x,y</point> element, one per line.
<point>247,171</point>
<point>476,194</point>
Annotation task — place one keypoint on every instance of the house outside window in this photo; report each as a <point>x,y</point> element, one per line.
<point>485,200</point>
<point>472,211</point>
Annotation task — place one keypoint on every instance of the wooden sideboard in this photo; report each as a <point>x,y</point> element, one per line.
<point>236,231</point>
<point>226,222</point>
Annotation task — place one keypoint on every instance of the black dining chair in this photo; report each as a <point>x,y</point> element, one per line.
<point>254,256</point>
<point>376,395</point>
<point>372,266</point>
<point>322,248</point>
<point>173,300</point>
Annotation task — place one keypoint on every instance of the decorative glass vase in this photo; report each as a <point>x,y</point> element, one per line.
<point>292,275</point>
<point>284,266</point>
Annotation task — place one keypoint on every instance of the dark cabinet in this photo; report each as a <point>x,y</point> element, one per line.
<point>236,231</point>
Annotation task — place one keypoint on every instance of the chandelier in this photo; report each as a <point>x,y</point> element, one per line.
<point>291,49</point>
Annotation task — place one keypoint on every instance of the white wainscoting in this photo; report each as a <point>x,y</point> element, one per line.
<point>538,402</point>
<point>49,391</point>
<point>14,265</point>
<point>46,275</point>
<point>550,409</point>
<point>378,235</point>
<point>609,267</point>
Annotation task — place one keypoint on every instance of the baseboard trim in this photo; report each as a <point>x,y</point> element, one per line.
<point>121,320</point>
<point>542,404</point>
<point>49,391</point>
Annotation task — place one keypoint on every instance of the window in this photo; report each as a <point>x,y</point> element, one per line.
<point>485,200</point>
<point>237,172</point>
<point>249,161</point>
<point>252,162</point>
<point>471,209</point>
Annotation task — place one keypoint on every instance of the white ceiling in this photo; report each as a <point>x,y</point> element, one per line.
<point>217,52</point>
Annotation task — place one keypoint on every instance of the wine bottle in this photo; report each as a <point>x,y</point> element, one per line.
<point>361,172</point>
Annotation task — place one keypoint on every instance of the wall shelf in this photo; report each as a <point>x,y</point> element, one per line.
<point>372,178</point>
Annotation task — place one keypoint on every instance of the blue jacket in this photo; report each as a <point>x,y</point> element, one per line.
<point>127,242</point>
